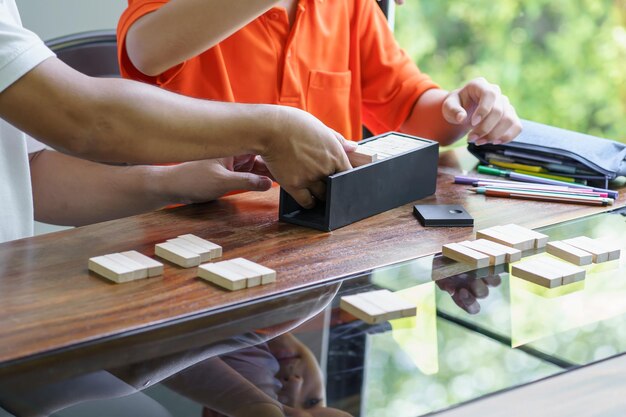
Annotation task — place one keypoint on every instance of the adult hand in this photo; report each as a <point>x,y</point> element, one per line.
<point>466,289</point>
<point>303,152</point>
<point>202,181</point>
<point>488,113</point>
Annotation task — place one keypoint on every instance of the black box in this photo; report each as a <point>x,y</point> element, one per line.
<point>443,215</point>
<point>370,189</point>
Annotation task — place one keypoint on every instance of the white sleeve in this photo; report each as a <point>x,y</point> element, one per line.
<point>20,49</point>
<point>33,146</point>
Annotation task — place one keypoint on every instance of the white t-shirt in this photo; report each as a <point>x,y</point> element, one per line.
<point>20,51</point>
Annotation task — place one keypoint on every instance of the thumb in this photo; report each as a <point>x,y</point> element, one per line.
<point>247,181</point>
<point>348,145</point>
<point>453,110</point>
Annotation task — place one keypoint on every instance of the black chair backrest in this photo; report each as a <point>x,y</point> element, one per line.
<point>93,53</point>
<point>386,6</point>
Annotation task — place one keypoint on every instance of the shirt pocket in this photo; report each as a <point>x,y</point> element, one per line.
<point>328,99</point>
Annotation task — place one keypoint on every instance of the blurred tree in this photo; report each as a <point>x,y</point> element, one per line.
<point>561,62</point>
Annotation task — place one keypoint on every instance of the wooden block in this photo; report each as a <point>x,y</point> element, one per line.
<point>540,240</point>
<point>253,278</point>
<point>614,253</point>
<point>205,254</point>
<point>614,250</point>
<point>496,256</point>
<point>466,255</point>
<point>362,309</point>
<point>396,303</point>
<point>216,250</point>
<point>224,277</point>
<point>569,272</point>
<point>517,242</point>
<point>512,254</point>
<point>394,307</point>
<point>267,275</point>
<point>569,253</point>
<point>154,267</point>
<point>177,254</point>
<point>537,273</point>
<point>598,252</point>
<point>110,269</point>
<point>362,156</point>
<point>412,143</point>
<point>140,271</point>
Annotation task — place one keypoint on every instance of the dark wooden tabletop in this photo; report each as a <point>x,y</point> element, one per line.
<point>50,301</point>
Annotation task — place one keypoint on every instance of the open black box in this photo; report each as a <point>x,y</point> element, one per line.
<point>369,189</point>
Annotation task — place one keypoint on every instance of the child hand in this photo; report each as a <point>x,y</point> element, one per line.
<point>488,113</point>
<point>202,181</point>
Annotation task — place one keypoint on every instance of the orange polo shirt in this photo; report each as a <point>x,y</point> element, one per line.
<point>339,61</point>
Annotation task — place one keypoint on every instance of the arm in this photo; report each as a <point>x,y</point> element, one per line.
<point>72,191</point>
<point>218,386</point>
<point>478,108</point>
<point>118,120</point>
<point>160,40</point>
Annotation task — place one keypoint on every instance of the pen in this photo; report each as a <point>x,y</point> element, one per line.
<point>527,195</point>
<point>543,175</point>
<point>540,187</point>
<point>529,178</point>
<point>516,166</point>
<point>573,192</point>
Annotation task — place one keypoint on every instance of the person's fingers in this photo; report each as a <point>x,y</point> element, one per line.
<point>446,285</point>
<point>466,301</point>
<point>260,168</point>
<point>505,131</point>
<point>492,280</point>
<point>247,181</point>
<point>482,132</point>
<point>318,189</point>
<point>302,196</point>
<point>452,108</point>
<point>348,145</point>
<point>496,136</point>
<point>512,133</point>
<point>478,288</point>
<point>244,163</point>
<point>481,92</point>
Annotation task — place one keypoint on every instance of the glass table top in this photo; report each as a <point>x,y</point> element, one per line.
<point>476,332</point>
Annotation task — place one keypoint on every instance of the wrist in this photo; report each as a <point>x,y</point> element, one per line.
<point>160,185</point>
<point>275,121</point>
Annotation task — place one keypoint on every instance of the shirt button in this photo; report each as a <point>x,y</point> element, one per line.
<point>274,16</point>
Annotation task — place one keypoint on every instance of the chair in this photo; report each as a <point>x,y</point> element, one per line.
<point>93,53</point>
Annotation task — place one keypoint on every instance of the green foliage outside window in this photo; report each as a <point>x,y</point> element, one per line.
<point>561,62</point>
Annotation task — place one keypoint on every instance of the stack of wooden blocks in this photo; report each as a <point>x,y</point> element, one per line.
<point>376,150</point>
<point>501,244</point>
<point>187,251</point>
<point>377,306</point>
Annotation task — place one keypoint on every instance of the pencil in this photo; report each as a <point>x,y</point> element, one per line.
<point>548,189</point>
<point>538,196</point>
<point>529,178</point>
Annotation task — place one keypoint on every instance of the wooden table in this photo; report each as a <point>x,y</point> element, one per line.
<point>50,302</point>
